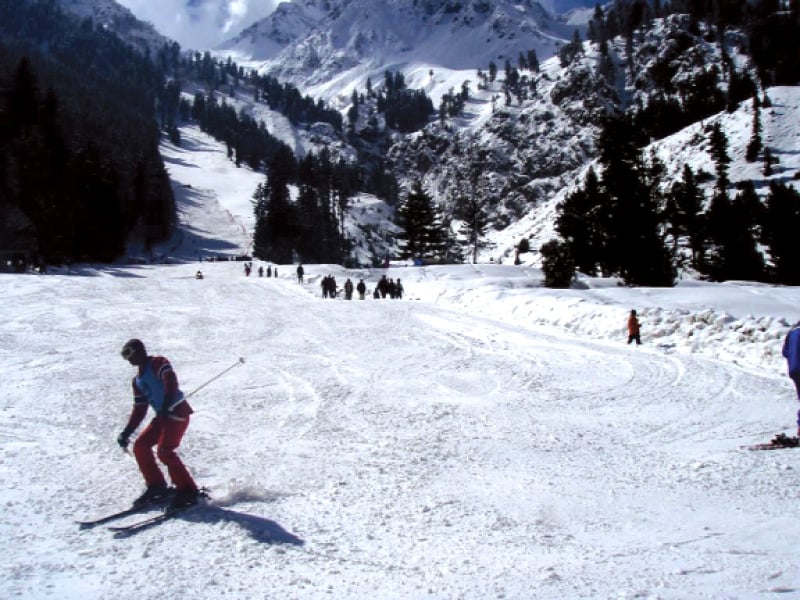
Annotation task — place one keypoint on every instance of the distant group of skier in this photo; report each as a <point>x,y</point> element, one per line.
<point>385,287</point>
<point>269,272</point>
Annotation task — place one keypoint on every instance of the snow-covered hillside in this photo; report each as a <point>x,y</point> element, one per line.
<point>520,154</point>
<point>691,146</point>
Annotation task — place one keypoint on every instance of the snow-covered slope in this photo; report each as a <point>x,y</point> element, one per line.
<point>446,447</point>
<point>215,207</point>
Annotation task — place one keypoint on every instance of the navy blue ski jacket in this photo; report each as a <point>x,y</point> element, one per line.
<point>791,350</point>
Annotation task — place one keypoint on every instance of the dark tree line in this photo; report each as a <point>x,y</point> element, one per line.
<point>406,110</point>
<point>78,137</point>
<point>286,99</point>
<point>242,134</point>
<point>246,139</point>
<point>311,227</point>
<point>228,77</point>
<point>772,26</point>
<point>623,222</point>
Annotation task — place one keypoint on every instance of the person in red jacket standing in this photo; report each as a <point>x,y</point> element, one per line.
<point>156,385</point>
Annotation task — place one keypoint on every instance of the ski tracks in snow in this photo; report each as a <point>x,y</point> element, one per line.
<point>411,449</point>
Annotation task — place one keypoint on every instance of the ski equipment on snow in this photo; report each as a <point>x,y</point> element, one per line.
<point>166,515</point>
<point>779,442</point>
<point>159,503</point>
<point>217,376</point>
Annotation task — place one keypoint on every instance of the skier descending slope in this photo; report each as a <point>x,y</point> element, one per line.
<point>157,385</point>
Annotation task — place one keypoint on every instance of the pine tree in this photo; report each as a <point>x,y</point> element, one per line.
<point>780,224</point>
<point>718,142</point>
<point>632,221</point>
<point>747,214</point>
<point>578,223</point>
<point>769,161</point>
<point>417,217</point>
<point>569,52</point>
<point>557,264</point>
<point>733,253</point>
<point>276,228</point>
<point>475,222</point>
<point>533,61</point>
<point>686,214</point>
<point>754,145</point>
<point>718,216</point>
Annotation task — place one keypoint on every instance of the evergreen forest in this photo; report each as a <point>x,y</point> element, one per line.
<point>80,170</point>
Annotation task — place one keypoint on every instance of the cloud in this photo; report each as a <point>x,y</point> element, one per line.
<point>200,24</point>
<point>560,6</point>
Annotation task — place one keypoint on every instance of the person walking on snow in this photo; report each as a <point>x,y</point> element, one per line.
<point>633,328</point>
<point>791,352</point>
<point>156,384</point>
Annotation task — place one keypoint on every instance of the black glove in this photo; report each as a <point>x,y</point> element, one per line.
<point>124,438</point>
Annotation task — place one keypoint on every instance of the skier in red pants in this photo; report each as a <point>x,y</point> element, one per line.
<point>157,385</point>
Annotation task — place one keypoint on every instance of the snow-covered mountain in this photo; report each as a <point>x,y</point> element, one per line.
<point>520,150</point>
<point>120,20</point>
<point>315,42</point>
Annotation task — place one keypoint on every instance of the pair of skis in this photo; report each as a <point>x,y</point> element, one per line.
<point>166,512</point>
<point>779,442</point>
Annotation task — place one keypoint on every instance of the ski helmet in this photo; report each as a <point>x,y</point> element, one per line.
<point>131,347</point>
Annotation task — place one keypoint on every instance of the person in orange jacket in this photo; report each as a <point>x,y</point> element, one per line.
<point>156,385</point>
<point>633,328</point>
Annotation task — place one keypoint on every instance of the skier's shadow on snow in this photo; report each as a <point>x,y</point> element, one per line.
<point>262,530</point>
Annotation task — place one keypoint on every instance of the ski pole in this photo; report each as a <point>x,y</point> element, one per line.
<point>217,376</point>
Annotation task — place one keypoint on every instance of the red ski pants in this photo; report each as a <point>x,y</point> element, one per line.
<point>166,434</point>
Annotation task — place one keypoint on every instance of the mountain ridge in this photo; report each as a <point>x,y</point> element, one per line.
<point>312,42</point>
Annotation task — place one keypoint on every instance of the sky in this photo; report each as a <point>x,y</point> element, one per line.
<point>200,24</point>
<point>483,437</point>
<point>559,6</point>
